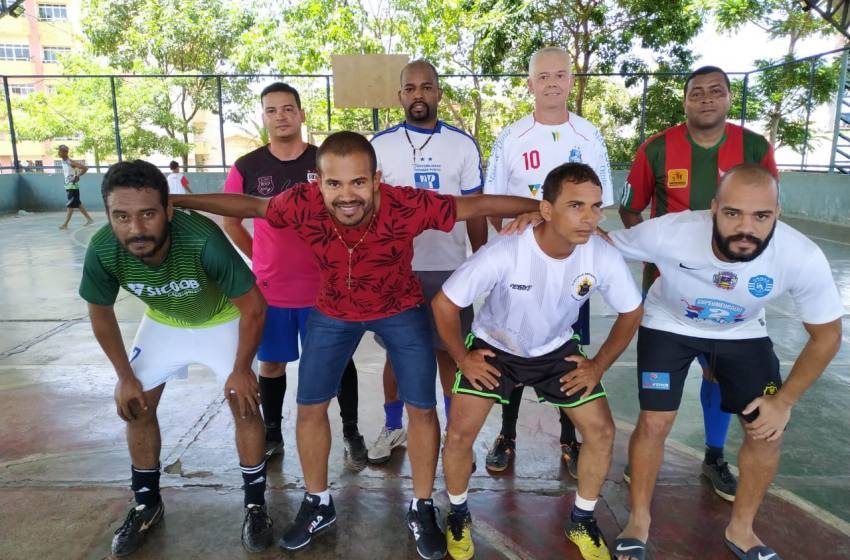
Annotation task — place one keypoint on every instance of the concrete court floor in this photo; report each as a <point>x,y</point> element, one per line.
<point>64,466</point>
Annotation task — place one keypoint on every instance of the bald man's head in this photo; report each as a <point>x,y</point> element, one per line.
<point>421,65</point>
<point>420,93</point>
<point>748,175</point>
<point>745,210</point>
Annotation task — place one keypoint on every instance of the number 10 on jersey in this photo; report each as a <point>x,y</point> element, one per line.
<point>531,159</point>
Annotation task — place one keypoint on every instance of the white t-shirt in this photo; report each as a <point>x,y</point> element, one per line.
<point>535,299</point>
<point>68,172</point>
<point>177,183</point>
<point>447,161</point>
<point>699,295</point>
<point>526,151</point>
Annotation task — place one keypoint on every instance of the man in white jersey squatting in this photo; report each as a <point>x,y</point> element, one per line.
<point>523,154</point>
<point>719,270</point>
<point>429,154</point>
<point>537,282</point>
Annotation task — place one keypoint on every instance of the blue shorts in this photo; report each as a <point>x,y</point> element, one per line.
<point>330,343</point>
<point>281,332</point>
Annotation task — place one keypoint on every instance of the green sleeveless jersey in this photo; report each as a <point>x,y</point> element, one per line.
<point>192,287</point>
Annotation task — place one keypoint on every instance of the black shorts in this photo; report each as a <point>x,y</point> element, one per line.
<point>73,198</point>
<point>745,369</point>
<point>541,372</point>
<point>582,325</point>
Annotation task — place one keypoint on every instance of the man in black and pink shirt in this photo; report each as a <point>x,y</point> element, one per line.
<point>362,233</point>
<point>286,269</point>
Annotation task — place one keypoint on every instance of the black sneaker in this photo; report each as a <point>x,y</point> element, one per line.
<point>355,453</point>
<point>500,456</point>
<point>430,539</point>
<point>274,444</point>
<point>569,454</point>
<point>257,529</point>
<point>131,535</point>
<point>721,478</point>
<point>311,519</point>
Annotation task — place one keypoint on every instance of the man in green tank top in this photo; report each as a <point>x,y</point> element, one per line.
<point>203,307</point>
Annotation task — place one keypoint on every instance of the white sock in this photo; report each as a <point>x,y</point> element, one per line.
<point>324,496</point>
<point>586,505</point>
<point>458,500</point>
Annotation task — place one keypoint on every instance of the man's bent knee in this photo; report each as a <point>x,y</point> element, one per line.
<point>655,425</point>
<point>272,370</point>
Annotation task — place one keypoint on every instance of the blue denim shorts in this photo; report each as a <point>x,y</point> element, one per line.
<point>330,343</point>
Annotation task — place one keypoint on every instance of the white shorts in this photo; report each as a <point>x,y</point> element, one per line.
<point>161,352</point>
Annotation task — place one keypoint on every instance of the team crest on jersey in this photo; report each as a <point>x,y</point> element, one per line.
<point>556,136</point>
<point>265,185</point>
<point>716,311</point>
<point>534,189</point>
<point>677,178</point>
<point>575,155</point>
<point>582,284</point>
<point>760,285</point>
<point>312,176</point>
<point>725,280</point>
<point>770,389</point>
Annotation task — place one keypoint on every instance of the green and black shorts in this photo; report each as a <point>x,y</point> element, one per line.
<point>543,373</point>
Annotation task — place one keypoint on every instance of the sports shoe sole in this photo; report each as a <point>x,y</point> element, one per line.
<point>728,497</point>
<point>318,531</point>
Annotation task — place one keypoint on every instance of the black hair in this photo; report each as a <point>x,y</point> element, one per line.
<point>346,143</point>
<point>173,165</point>
<point>137,174</point>
<point>706,70</point>
<point>567,173</point>
<point>282,87</point>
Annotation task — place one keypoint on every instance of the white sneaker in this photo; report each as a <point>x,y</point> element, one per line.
<point>387,440</point>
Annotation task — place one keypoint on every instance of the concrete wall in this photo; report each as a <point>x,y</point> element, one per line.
<point>37,192</point>
<point>822,197</point>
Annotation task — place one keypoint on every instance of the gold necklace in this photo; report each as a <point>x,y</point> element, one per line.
<point>353,247</point>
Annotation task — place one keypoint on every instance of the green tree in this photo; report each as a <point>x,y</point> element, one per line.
<point>602,35</point>
<point>79,107</point>
<point>780,94</point>
<point>173,37</point>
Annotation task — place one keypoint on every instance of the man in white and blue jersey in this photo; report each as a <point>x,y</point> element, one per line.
<point>427,153</point>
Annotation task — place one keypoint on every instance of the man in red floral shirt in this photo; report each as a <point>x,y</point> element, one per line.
<point>362,234</point>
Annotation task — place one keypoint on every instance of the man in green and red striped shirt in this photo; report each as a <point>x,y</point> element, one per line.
<point>679,169</point>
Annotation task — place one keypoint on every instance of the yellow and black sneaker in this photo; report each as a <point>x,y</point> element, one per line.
<point>459,536</point>
<point>588,538</point>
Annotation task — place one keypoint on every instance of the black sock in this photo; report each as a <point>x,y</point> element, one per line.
<point>510,412</point>
<point>145,485</point>
<point>568,429</point>
<point>713,454</point>
<point>254,484</point>
<point>272,390</point>
<point>348,400</point>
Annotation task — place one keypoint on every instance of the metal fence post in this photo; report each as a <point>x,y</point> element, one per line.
<point>16,163</point>
<point>328,99</point>
<point>839,97</point>
<point>744,98</point>
<point>643,109</point>
<point>115,118</point>
<point>805,153</point>
<point>221,123</point>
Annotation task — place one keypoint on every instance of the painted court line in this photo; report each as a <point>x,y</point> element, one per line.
<point>815,511</point>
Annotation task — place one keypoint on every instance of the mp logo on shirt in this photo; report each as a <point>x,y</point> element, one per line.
<point>312,176</point>
<point>265,185</point>
<point>430,181</point>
